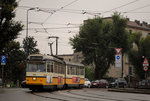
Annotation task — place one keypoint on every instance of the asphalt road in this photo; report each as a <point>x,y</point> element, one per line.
<point>86,94</point>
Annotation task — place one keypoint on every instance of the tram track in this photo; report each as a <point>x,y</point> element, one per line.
<point>77,95</point>
<point>102,96</point>
<point>63,94</point>
<point>48,97</point>
<point>69,96</point>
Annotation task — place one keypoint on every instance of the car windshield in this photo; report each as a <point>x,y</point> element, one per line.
<point>86,79</point>
<point>36,68</point>
<point>96,81</point>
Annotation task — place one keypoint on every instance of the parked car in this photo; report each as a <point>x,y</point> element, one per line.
<point>143,84</point>
<point>23,84</point>
<point>103,83</point>
<point>0,82</point>
<point>87,83</point>
<point>95,83</point>
<point>100,83</point>
<point>119,82</point>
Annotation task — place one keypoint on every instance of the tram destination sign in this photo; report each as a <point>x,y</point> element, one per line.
<point>36,58</point>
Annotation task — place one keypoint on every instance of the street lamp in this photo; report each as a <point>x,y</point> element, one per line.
<point>27,21</point>
<point>27,50</point>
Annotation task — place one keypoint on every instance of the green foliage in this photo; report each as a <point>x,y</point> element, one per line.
<point>89,73</point>
<point>140,49</point>
<point>96,40</point>
<point>15,62</point>
<point>29,46</point>
<point>9,29</point>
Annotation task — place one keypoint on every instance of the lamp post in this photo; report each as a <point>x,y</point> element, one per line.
<point>27,50</point>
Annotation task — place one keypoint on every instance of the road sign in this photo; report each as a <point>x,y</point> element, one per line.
<point>145,68</point>
<point>117,60</point>
<point>3,60</point>
<point>118,50</point>
<point>145,63</point>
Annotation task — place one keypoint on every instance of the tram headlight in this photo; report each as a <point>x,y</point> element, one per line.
<point>34,78</point>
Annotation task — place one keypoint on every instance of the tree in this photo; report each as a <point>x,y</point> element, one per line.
<point>120,37</point>
<point>97,37</point>
<point>89,73</point>
<point>138,52</point>
<point>9,29</point>
<point>15,63</point>
<point>29,46</point>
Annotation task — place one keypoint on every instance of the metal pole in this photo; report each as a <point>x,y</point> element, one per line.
<point>3,75</point>
<point>145,75</point>
<point>27,30</point>
<point>50,44</point>
<point>27,24</point>
<point>56,45</point>
<point>122,66</point>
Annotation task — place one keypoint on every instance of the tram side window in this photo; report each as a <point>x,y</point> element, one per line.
<point>59,68</point>
<point>74,70</point>
<point>52,68</point>
<point>48,67</point>
<point>82,71</point>
<point>70,70</point>
<point>67,69</point>
<point>78,70</point>
<point>62,69</point>
<point>55,67</point>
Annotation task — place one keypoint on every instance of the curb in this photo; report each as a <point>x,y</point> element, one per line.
<point>131,90</point>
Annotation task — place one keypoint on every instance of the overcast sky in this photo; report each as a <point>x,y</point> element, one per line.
<point>62,18</point>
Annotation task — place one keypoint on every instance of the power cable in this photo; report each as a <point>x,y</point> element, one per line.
<point>120,6</point>
<point>56,28</point>
<point>138,8</point>
<point>59,10</point>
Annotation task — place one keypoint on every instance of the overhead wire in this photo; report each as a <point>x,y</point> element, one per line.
<point>59,10</point>
<point>130,11</point>
<point>120,6</point>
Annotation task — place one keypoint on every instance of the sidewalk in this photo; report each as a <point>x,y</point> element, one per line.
<point>130,90</point>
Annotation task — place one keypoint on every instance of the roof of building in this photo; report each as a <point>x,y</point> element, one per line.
<point>135,24</point>
<point>138,25</point>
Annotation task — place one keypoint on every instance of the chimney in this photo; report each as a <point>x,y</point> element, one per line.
<point>138,22</point>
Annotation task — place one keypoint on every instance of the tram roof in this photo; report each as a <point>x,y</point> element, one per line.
<point>75,64</point>
<point>47,57</point>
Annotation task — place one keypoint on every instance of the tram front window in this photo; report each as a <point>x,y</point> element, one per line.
<point>36,68</point>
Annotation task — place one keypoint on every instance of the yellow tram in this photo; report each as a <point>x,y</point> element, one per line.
<point>50,72</point>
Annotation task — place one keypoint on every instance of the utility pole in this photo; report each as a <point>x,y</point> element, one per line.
<point>56,43</point>
<point>122,74</point>
<point>50,44</point>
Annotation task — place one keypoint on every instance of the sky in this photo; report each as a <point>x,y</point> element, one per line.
<point>62,18</point>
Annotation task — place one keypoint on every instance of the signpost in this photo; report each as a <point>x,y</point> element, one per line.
<point>117,60</point>
<point>145,66</point>
<point>118,50</point>
<point>3,62</point>
<point>118,57</point>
